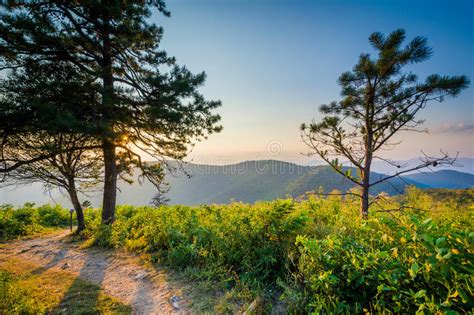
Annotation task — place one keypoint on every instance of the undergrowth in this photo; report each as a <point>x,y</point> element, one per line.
<point>31,220</point>
<point>313,255</point>
<point>309,256</point>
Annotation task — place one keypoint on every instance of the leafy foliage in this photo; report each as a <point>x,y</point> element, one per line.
<point>109,56</point>
<point>251,241</point>
<point>29,220</point>
<point>317,252</point>
<point>315,255</point>
<point>132,98</point>
<point>410,266</point>
<point>462,198</point>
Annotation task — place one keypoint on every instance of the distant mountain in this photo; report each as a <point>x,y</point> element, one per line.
<point>462,164</point>
<point>247,181</point>
<point>443,179</point>
<point>260,180</point>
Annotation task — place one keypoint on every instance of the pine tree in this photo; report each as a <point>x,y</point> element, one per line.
<point>379,101</point>
<point>147,103</point>
<point>160,199</point>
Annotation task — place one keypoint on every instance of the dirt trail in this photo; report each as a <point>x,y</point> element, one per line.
<point>119,274</point>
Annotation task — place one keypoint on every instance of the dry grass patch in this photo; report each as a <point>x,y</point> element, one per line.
<point>26,287</point>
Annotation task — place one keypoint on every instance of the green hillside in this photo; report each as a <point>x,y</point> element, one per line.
<point>261,180</point>
<point>457,198</point>
<point>247,181</point>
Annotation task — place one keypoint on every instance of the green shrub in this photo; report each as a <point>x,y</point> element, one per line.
<point>317,251</point>
<point>314,255</point>
<point>28,220</point>
<point>250,241</point>
<point>52,216</point>
<point>387,266</point>
<point>18,222</point>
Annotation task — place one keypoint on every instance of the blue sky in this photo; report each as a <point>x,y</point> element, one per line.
<point>272,63</point>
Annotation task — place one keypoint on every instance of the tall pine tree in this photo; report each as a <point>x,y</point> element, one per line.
<point>146,102</point>
<point>379,101</point>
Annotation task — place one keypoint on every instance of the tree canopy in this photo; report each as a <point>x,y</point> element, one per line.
<point>379,100</point>
<point>132,97</point>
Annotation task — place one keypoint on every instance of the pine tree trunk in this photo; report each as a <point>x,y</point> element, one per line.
<point>365,172</point>
<point>110,167</point>
<point>364,202</point>
<point>110,183</point>
<point>77,206</point>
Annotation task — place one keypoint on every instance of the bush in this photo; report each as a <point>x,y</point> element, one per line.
<point>315,255</point>
<point>250,241</point>
<point>388,266</point>
<point>316,251</point>
<point>52,216</point>
<point>29,220</point>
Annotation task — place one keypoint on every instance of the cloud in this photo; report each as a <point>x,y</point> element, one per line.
<point>460,127</point>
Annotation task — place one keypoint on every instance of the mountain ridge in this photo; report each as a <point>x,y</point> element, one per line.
<point>444,179</point>
<point>246,181</point>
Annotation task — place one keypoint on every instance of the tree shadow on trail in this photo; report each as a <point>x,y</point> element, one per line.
<point>85,295</point>
<point>143,294</point>
<point>58,256</point>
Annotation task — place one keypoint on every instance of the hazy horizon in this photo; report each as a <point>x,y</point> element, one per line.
<point>185,189</point>
<point>292,157</point>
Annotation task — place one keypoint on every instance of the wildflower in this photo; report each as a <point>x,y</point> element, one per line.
<point>395,252</point>
<point>428,267</point>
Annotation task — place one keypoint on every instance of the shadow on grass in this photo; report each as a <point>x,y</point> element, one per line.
<point>83,297</point>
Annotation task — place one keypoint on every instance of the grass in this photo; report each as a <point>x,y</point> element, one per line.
<point>210,296</point>
<point>27,288</point>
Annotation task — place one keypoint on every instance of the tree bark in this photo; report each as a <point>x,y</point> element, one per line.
<point>365,172</point>
<point>110,167</point>
<point>77,206</point>
<point>110,183</point>
<point>364,202</point>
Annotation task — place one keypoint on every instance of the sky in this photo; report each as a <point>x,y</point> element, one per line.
<point>272,63</point>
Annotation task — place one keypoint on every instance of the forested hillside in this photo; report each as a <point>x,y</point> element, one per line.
<point>247,181</point>
<point>260,180</point>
